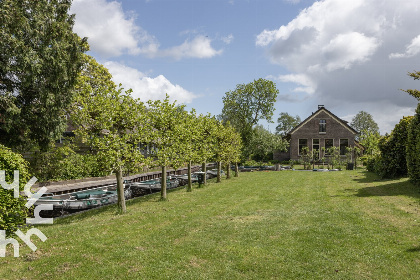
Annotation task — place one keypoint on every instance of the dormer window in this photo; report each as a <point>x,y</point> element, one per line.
<point>322,126</point>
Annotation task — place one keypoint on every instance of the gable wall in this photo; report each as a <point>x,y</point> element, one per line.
<point>310,130</point>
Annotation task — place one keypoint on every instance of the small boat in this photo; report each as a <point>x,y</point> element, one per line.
<point>85,199</point>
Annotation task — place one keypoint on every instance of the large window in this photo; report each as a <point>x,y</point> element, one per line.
<point>322,126</point>
<point>329,143</point>
<point>344,143</point>
<point>315,148</point>
<point>302,143</point>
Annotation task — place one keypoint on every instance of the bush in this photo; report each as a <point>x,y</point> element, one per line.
<point>413,148</point>
<point>392,162</point>
<point>12,210</point>
<point>63,163</point>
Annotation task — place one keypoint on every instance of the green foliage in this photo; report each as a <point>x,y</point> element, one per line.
<point>370,141</point>
<point>263,143</point>
<point>286,123</point>
<point>12,210</point>
<point>110,122</point>
<point>247,104</point>
<point>392,161</point>
<point>363,123</point>
<point>40,60</point>
<point>414,92</point>
<point>63,163</point>
<point>413,148</point>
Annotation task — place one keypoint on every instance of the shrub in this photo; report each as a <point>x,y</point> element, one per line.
<point>413,148</point>
<point>12,210</point>
<point>63,163</point>
<point>392,162</point>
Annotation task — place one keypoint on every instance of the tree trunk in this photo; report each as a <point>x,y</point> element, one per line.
<point>120,191</point>
<point>204,169</point>
<point>219,172</point>
<point>228,170</point>
<point>163,184</point>
<point>189,186</point>
<point>236,170</point>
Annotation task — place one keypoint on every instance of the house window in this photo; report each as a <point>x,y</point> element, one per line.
<point>329,143</point>
<point>302,143</point>
<point>322,126</point>
<point>344,143</point>
<point>315,148</point>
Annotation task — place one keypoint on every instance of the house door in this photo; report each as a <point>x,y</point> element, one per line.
<point>316,149</point>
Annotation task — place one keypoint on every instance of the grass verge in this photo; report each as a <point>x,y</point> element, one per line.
<point>262,225</point>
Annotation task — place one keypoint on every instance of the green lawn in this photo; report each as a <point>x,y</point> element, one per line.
<point>262,225</point>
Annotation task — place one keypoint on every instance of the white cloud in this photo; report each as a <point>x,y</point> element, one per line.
<point>344,48</point>
<point>110,32</point>
<point>227,39</point>
<point>199,47</point>
<point>411,50</point>
<point>300,79</point>
<point>147,88</point>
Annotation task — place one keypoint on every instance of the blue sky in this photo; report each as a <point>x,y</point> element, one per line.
<point>347,55</point>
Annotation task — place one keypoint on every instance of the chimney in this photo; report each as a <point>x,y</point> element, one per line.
<point>320,106</point>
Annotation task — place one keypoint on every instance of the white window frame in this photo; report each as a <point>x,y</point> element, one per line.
<point>325,126</point>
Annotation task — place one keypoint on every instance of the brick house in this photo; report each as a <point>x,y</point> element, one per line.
<point>322,129</point>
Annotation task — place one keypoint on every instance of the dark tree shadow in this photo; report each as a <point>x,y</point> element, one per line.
<point>385,187</point>
<point>414,249</point>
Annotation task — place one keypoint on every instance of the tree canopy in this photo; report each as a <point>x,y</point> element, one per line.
<point>40,60</point>
<point>363,122</point>
<point>249,103</point>
<point>286,123</point>
<point>414,92</point>
<point>110,121</point>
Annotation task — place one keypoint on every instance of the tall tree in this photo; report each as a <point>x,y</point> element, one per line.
<point>110,121</point>
<point>413,142</point>
<point>363,122</point>
<point>286,123</point>
<point>40,60</point>
<point>248,104</point>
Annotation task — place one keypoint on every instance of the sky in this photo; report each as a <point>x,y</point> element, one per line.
<point>348,55</point>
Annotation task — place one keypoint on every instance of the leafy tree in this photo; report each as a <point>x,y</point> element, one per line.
<point>248,104</point>
<point>370,141</point>
<point>364,123</point>
<point>263,143</point>
<point>110,121</point>
<point>206,130</point>
<point>286,123</point>
<point>413,145</point>
<point>167,130</point>
<point>414,92</point>
<point>40,60</point>
<point>12,210</point>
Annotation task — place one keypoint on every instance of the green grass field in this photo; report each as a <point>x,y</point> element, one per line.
<point>262,225</point>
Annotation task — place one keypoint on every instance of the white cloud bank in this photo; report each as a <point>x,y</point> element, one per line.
<point>111,33</point>
<point>147,88</point>
<point>351,55</point>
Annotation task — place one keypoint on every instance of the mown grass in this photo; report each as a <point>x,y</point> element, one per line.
<point>265,225</point>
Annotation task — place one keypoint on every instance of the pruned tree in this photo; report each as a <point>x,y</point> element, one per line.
<point>109,121</point>
<point>166,122</point>
<point>40,60</point>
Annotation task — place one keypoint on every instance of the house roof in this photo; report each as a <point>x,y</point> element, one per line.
<point>323,109</point>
